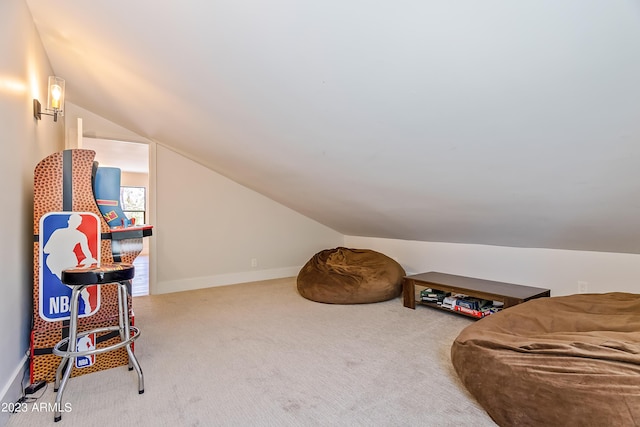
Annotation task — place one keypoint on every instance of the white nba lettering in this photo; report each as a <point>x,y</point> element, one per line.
<point>64,303</point>
<point>53,305</point>
<point>58,304</point>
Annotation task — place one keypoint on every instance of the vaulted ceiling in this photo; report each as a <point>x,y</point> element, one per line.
<point>496,122</point>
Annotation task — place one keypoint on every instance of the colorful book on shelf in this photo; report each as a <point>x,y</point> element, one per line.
<point>474,303</point>
<point>451,301</point>
<point>469,311</point>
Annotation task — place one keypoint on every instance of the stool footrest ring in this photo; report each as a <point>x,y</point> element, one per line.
<point>65,353</point>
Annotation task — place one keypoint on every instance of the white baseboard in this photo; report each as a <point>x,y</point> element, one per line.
<point>223,280</point>
<point>12,390</point>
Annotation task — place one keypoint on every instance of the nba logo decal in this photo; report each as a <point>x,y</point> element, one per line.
<point>86,343</point>
<point>67,240</point>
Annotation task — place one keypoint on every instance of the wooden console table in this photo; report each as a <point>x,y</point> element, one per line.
<point>508,293</point>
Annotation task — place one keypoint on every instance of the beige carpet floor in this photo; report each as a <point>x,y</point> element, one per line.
<point>258,354</point>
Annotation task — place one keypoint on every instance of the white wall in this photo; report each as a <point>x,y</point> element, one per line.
<point>24,69</point>
<point>558,270</point>
<point>208,228</point>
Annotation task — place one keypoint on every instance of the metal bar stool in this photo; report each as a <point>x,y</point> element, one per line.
<point>78,279</point>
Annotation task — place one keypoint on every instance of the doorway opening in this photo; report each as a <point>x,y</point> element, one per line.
<point>132,158</point>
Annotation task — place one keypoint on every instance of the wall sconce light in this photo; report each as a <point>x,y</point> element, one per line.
<point>55,100</point>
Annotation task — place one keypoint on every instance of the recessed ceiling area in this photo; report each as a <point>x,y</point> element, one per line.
<point>494,122</point>
<point>128,156</point>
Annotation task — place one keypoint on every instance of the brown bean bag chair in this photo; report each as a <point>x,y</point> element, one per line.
<point>350,276</point>
<point>561,361</point>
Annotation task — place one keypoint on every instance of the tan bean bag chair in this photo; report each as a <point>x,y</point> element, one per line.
<point>350,276</point>
<point>560,361</point>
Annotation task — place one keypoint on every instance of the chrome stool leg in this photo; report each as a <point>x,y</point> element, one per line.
<point>123,317</point>
<point>125,333</point>
<point>60,385</point>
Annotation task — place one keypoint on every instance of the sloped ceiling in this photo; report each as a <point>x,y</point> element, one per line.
<point>496,122</point>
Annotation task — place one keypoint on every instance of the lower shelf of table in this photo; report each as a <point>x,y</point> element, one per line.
<point>448,310</point>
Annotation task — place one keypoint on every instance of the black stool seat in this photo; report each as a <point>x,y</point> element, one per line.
<point>94,275</point>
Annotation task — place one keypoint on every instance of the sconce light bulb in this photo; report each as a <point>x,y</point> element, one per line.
<point>56,92</point>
